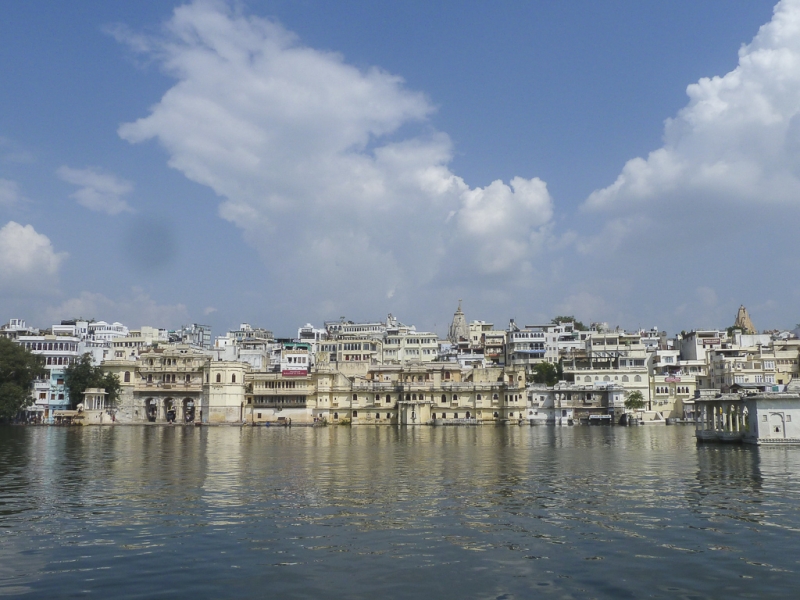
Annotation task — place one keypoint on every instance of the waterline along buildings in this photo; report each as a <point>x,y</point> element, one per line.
<point>388,373</point>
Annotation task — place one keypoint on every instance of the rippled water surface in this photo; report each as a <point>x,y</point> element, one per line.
<point>362,512</point>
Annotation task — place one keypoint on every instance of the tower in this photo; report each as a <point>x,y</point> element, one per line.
<point>458,328</point>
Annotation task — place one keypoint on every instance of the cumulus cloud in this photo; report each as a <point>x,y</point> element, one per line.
<point>303,149</point>
<point>28,262</point>
<point>135,309</point>
<point>101,192</point>
<point>737,142</point>
<point>708,220</point>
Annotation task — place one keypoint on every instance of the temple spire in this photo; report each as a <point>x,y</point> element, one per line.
<point>458,328</point>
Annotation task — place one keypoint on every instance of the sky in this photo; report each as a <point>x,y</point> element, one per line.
<point>278,163</point>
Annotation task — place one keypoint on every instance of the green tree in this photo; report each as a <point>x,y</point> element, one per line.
<point>578,325</point>
<point>634,400</point>
<point>18,369</point>
<point>82,374</point>
<point>546,373</point>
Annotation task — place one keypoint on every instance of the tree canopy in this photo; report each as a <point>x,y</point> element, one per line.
<point>82,374</point>
<point>18,369</point>
<point>635,401</point>
<point>546,373</point>
<point>577,324</point>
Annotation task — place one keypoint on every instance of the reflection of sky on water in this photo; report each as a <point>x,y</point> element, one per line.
<point>450,512</point>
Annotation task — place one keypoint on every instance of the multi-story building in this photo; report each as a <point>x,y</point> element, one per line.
<point>673,383</point>
<point>764,368</point>
<point>15,328</point>
<point>128,347</point>
<point>569,403</point>
<point>611,357</point>
<point>418,394</point>
<point>57,353</point>
<point>179,383</point>
<point>100,331</point>
<point>196,335</point>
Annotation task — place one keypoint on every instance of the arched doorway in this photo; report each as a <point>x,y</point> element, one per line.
<point>188,410</point>
<point>151,409</point>
<point>169,410</point>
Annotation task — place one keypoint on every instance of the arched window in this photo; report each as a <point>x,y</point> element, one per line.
<point>233,378</point>
<point>587,378</point>
<point>444,415</point>
<point>495,415</point>
<point>219,378</point>
<point>624,378</point>
<point>637,378</point>
<point>495,398</point>
<point>479,396</point>
<point>414,397</point>
<point>444,398</point>
<point>455,397</point>
<point>606,378</point>
<point>127,378</point>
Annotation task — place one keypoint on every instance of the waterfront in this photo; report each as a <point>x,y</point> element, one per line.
<point>487,512</point>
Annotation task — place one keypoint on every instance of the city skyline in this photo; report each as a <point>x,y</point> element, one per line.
<point>278,164</point>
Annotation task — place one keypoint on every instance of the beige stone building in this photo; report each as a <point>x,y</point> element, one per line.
<point>176,383</point>
<point>420,394</point>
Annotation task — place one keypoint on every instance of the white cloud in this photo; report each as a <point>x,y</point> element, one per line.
<point>302,148</point>
<point>101,192</point>
<point>708,221</point>
<point>736,143</point>
<point>9,193</point>
<point>28,262</point>
<point>135,309</point>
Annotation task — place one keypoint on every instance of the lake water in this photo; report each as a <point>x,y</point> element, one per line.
<point>363,512</point>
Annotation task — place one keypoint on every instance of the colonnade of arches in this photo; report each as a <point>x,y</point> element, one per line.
<point>171,410</point>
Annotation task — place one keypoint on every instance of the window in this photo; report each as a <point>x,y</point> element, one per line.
<point>355,413</point>
<point>127,377</point>
<point>219,378</point>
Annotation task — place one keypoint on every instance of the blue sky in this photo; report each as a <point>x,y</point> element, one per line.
<point>285,162</point>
